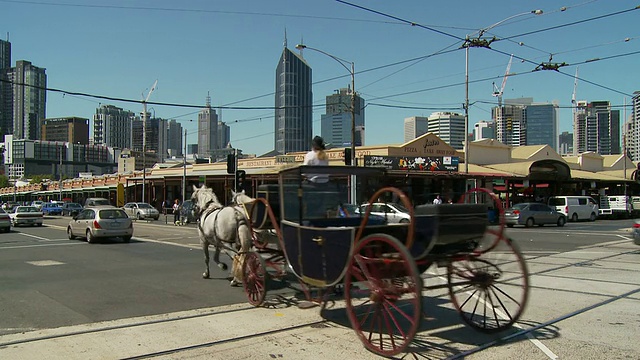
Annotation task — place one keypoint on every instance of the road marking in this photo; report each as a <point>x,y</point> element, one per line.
<point>39,245</point>
<point>35,237</point>
<point>45,263</point>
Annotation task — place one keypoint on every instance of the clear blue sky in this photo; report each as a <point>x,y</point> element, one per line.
<point>118,48</point>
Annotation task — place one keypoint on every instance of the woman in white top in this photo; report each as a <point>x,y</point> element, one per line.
<point>317,156</point>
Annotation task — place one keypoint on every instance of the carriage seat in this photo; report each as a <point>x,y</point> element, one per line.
<point>354,221</point>
<point>455,223</point>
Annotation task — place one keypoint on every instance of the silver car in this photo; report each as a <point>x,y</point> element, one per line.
<point>141,211</point>
<point>101,222</point>
<point>530,214</point>
<point>391,212</point>
<point>26,215</point>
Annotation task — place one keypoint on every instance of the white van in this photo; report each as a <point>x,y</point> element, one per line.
<point>575,207</point>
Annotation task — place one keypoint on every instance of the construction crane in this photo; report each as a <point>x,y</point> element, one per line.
<point>500,126</point>
<point>144,140</point>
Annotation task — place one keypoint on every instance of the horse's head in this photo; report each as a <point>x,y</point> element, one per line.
<point>202,198</point>
<point>239,198</point>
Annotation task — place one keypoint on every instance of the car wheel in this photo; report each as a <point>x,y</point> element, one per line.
<point>592,217</point>
<point>561,221</point>
<point>404,221</point>
<point>574,217</point>
<point>70,233</point>
<point>90,237</point>
<point>126,239</point>
<point>529,222</point>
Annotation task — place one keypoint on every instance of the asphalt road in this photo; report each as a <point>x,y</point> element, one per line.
<point>583,302</point>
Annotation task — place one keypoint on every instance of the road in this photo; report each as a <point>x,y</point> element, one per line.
<point>64,298</point>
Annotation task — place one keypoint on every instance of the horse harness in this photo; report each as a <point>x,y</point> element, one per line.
<point>209,208</point>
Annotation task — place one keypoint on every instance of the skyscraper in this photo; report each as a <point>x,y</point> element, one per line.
<point>6,96</point>
<point>112,126</point>
<point>449,127</point>
<point>29,99</point>
<point>565,143</point>
<point>598,128</point>
<point>414,126</point>
<point>542,125</point>
<point>224,135</point>
<point>484,130</point>
<point>293,102</point>
<point>207,129</point>
<point>633,133</point>
<point>335,124</point>
<point>175,147</point>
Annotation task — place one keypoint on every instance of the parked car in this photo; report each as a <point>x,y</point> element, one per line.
<point>5,221</point>
<point>529,214</point>
<point>101,222</point>
<point>37,203</point>
<point>91,202</point>
<point>575,207</point>
<point>141,210</point>
<point>71,209</point>
<point>51,209</point>
<point>393,213</point>
<point>26,215</point>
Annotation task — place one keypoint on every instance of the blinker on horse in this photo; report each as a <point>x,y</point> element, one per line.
<point>224,227</point>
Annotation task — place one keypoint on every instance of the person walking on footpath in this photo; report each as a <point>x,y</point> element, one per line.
<point>176,212</point>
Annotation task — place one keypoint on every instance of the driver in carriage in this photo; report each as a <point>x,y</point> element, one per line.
<point>317,156</point>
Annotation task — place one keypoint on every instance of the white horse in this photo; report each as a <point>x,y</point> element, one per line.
<point>221,226</point>
<point>244,203</point>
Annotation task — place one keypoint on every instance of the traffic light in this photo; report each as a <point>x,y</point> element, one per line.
<point>347,156</point>
<point>231,164</point>
<point>241,176</point>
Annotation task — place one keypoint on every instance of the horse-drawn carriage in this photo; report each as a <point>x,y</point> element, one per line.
<point>383,267</point>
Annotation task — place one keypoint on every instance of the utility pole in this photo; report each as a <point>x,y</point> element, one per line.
<point>144,141</point>
<point>60,171</point>
<point>184,168</point>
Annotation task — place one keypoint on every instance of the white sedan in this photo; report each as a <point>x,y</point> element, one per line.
<point>26,215</point>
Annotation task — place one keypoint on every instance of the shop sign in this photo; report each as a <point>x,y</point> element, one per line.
<point>425,164</point>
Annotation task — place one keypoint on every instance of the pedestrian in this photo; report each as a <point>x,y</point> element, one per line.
<point>317,156</point>
<point>176,212</point>
<point>437,200</point>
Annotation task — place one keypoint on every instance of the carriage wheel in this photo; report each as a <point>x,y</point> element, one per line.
<point>490,289</point>
<point>383,292</point>
<point>254,278</point>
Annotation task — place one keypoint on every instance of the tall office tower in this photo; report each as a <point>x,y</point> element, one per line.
<point>293,101</point>
<point>192,149</point>
<point>449,127</point>
<point>565,143</point>
<point>484,130</point>
<point>542,125</point>
<point>6,96</point>
<point>335,123</point>
<point>112,127</point>
<point>29,99</point>
<point>601,126</point>
<point>510,121</point>
<point>207,129</point>
<point>414,127</point>
<point>156,136</point>
<point>633,135</point>
<point>175,146</point>
<point>224,135</point>
<point>580,127</point>
<point>74,130</point>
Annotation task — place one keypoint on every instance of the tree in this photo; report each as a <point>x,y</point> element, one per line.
<point>37,179</point>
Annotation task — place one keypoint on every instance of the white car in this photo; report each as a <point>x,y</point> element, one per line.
<point>26,215</point>
<point>141,210</point>
<point>393,213</point>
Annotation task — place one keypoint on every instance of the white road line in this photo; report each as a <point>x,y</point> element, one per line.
<point>39,245</point>
<point>35,237</point>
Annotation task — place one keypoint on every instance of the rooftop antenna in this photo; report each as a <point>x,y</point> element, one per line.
<point>285,37</point>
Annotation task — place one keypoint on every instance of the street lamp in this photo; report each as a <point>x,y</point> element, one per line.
<point>479,42</point>
<point>351,71</point>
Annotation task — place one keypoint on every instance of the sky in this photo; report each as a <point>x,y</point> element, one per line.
<point>408,56</point>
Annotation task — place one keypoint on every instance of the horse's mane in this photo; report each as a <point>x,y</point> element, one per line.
<point>240,198</point>
<point>205,196</point>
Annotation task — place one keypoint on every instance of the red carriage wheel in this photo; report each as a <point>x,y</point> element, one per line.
<point>490,289</point>
<point>254,278</point>
<point>383,292</point>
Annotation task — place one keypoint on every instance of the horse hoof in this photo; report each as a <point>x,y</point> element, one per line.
<point>234,283</point>
<point>205,275</point>
<point>222,266</point>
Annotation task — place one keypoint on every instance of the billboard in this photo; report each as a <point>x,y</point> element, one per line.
<point>419,163</point>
